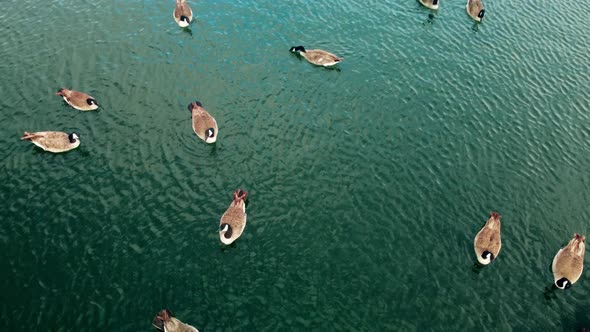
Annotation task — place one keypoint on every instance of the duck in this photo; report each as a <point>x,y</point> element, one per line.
<point>204,125</point>
<point>53,141</point>
<point>233,221</point>
<point>488,242</point>
<point>78,100</point>
<point>432,4</point>
<point>166,322</point>
<point>475,9</point>
<point>568,263</point>
<point>183,15</point>
<point>317,57</point>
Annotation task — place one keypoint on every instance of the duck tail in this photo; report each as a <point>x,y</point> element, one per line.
<point>194,104</point>
<point>28,136</point>
<point>240,195</point>
<point>495,215</point>
<point>160,319</point>
<point>61,92</point>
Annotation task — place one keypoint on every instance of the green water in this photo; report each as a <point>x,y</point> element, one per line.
<point>366,184</point>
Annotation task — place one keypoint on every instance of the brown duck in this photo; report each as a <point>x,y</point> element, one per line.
<point>568,263</point>
<point>204,125</point>
<point>488,242</point>
<point>317,57</point>
<point>78,100</point>
<point>53,141</point>
<point>432,4</point>
<point>183,15</point>
<point>233,221</point>
<point>475,9</point>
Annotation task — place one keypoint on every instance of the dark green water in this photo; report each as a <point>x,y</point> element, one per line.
<point>366,184</point>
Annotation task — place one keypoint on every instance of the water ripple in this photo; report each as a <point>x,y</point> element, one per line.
<point>367,183</point>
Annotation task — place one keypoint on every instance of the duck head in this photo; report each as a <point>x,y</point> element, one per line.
<point>73,137</point>
<point>184,21</point>
<point>225,231</point>
<point>296,49</point>
<point>91,102</point>
<point>210,135</point>
<point>481,14</point>
<point>486,257</point>
<point>563,283</point>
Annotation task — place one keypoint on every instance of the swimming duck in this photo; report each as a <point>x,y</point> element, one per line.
<point>165,321</point>
<point>432,4</point>
<point>204,125</point>
<point>78,100</point>
<point>488,242</point>
<point>183,15</point>
<point>475,9</point>
<point>568,263</point>
<point>233,221</point>
<point>53,141</point>
<point>317,57</point>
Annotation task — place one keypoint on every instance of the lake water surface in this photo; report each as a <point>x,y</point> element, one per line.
<point>367,183</point>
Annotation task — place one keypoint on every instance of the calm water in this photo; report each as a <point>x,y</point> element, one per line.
<point>366,184</point>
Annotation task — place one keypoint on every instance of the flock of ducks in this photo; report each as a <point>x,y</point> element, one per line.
<point>57,141</point>
<point>204,125</point>
<point>474,8</point>
<point>567,264</point>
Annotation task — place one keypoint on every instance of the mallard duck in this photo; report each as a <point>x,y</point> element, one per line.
<point>568,263</point>
<point>166,322</point>
<point>204,125</point>
<point>488,242</point>
<point>183,15</point>
<point>233,221</point>
<point>53,141</point>
<point>432,4</point>
<point>78,100</point>
<point>475,9</point>
<point>317,57</point>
